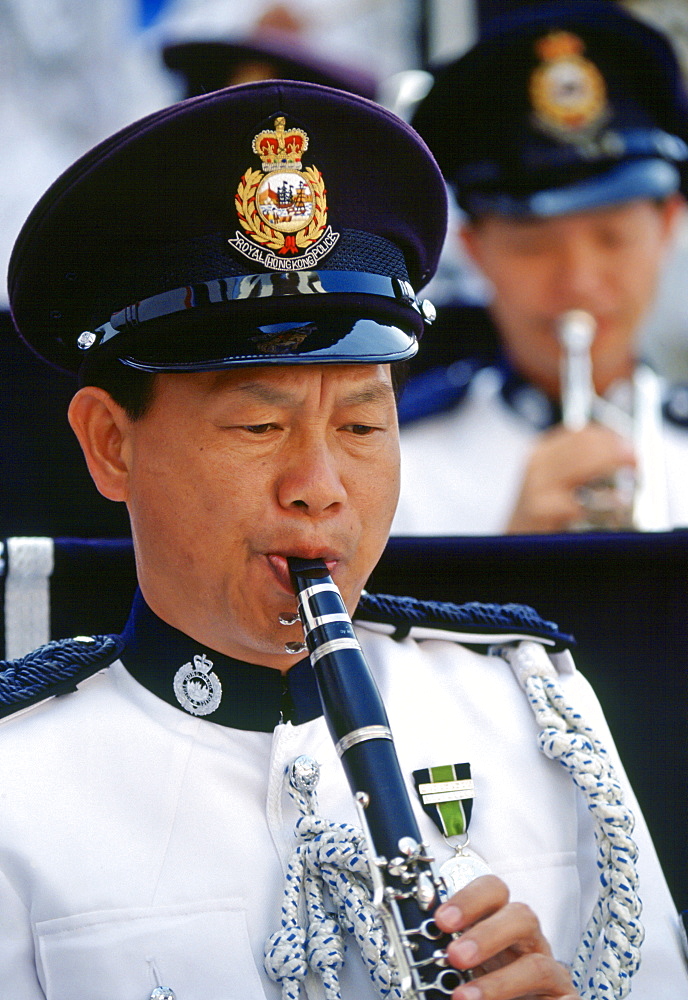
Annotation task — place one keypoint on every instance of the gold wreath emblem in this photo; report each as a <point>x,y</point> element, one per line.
<point>288,239</point>
<point>567,91</point>
<point>568,95</point>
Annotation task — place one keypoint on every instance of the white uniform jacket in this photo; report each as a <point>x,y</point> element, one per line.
<point>142,846</point>
<point>462,469</point>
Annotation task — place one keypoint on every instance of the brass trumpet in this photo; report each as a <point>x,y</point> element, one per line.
<point>632,499</point>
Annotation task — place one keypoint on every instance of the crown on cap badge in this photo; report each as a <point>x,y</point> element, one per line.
<point>283,207</point>
<point>567,91</point>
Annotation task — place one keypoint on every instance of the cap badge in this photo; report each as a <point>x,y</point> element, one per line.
<point>567,91</point>
<point>283,207</point>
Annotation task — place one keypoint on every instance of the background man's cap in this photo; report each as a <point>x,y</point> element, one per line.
<point>214,63</point>
<point>276,222</point>
<point>559,107</point>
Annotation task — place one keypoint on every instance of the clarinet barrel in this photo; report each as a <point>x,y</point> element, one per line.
<point>407,887</point>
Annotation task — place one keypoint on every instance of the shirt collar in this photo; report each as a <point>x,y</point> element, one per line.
<point>253,697</point>
<point>525,399</point>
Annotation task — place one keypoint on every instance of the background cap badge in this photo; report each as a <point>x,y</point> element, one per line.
<point>595,112</point>
<point>567,90</point>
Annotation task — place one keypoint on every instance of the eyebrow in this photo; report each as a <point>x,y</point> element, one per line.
<point>374,392</point>
<point>265,393</point>
<point>377,392</point>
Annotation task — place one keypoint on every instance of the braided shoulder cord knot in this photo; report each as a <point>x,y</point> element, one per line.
<point>329,859</point>
<point>566,738</point>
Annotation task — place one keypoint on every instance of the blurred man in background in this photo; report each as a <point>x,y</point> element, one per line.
<point>570,180</point>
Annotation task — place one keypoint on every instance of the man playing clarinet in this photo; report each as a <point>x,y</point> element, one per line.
<point>234,282</point>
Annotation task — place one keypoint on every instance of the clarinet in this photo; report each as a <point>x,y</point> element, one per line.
<point>407,888</point>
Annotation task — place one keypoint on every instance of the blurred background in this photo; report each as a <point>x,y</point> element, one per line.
<point>74,71</point>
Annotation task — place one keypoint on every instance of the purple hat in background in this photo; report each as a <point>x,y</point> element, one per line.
<point>211,64</point>
<point>271,223</point>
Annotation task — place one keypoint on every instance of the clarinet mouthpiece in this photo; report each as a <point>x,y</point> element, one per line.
<point>306,567</point>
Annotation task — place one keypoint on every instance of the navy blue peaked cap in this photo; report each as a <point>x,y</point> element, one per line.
<point>275,222</point>
<point>559,107</point>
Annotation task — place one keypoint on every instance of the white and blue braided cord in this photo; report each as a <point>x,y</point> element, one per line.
<point>614,924</point>
<point>330,859</point>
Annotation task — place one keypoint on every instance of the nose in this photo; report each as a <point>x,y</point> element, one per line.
<point>579,278</point>
<point>310,479</point>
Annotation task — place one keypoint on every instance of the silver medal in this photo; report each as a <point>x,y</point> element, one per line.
<point>198,690</point>
<point>466,865</point>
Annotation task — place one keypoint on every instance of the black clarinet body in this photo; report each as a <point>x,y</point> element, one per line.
<point>407,887</point>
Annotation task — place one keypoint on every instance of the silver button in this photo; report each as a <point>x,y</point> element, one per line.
<point>428,311</point>
<point>86,339</point>
<point>305,773</point>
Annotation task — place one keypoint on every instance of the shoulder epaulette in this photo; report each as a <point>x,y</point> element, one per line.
<point>53,669</point>
<point>472,624</point>
<point>675,405</point>
<point>436,390</point>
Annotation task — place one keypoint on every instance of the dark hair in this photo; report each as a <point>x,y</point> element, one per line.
<point>131,389</point>
<point>400,372</point>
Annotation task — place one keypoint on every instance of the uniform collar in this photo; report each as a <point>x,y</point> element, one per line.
<point>253,697</point>
<point>525,399</point>
<point>538,410</point>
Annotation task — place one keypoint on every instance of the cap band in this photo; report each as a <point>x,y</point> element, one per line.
<point>624,182</point>
<point>620,145</point>
<point>246,287</point>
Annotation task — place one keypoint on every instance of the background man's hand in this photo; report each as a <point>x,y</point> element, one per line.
<point>560,464</point>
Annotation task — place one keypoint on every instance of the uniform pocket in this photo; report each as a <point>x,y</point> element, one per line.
<point>550,884</point>
<point>200,949</point>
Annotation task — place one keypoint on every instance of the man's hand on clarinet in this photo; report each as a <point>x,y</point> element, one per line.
<point>503,944</point>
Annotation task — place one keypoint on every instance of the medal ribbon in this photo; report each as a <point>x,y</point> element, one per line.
<point>446,793</point>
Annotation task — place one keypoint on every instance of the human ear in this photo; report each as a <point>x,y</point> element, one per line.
<point>469,240</point>
<point>103,429</point>
<point>673,210</point>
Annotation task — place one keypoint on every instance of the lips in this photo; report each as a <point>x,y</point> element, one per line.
<point>280,568</point>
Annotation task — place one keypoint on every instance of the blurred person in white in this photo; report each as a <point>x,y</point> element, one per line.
<point>570,181</point>
<point>70,74</point>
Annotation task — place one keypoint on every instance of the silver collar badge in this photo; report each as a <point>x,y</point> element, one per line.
<point>198,690</point>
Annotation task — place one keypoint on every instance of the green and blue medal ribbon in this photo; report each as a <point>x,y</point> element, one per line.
<point>446,793</point>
